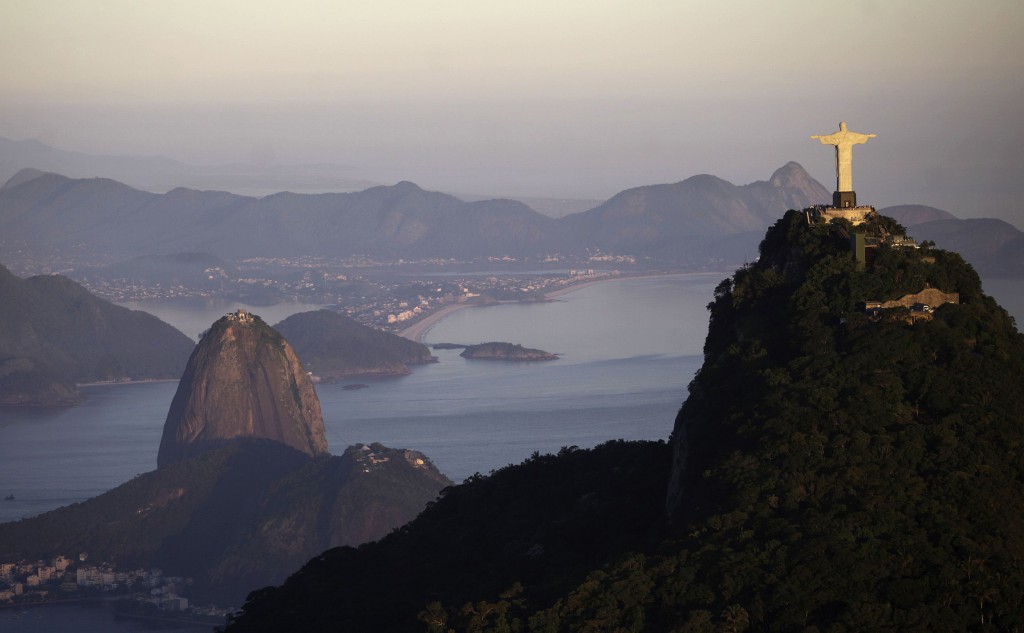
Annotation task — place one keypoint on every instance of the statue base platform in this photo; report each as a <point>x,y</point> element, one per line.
<point>853,215</point>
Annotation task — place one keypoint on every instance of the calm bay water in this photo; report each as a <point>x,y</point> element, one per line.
<point>629,347</point>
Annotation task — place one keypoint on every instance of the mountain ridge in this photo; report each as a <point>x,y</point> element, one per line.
<point>400,220</point>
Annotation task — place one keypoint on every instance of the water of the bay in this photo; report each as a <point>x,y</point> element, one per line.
<point>628,346</point>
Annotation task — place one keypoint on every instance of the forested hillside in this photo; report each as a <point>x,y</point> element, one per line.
<point>54,333</point>
<point>832,470</point>
<point>334,346</point>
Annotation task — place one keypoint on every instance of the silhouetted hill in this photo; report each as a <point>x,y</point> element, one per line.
<point>832,470</point>
<point>913,214</point>
<point>541,525</point>
<point>993,247</point>
<point>700,219</point>
<point>333,346</point>
<point>107,218</point>
<point>54,333</point>
<point>238,517</point>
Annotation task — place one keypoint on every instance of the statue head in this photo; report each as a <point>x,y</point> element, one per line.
<point>842,126</point>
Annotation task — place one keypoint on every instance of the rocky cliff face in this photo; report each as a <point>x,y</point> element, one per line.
<point>242,381</point>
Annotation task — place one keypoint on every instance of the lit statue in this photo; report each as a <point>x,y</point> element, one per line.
<point>844,140</point>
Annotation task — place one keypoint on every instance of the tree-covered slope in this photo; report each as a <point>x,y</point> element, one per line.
<point>532,530</point>
<point>238,517</point>
<point>54,333</point>
<point>333,346</point>
<point>832,471</point>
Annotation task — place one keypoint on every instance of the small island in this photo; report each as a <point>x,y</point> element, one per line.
<point>505,351</point>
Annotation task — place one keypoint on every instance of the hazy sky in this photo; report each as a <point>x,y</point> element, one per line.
<point>548,98</point>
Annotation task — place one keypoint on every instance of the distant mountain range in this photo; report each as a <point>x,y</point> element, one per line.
<point>159,173</point>
<point>699,219</point>
<point>702,222</point>
<point>54,334</point>
<point>994,247</point>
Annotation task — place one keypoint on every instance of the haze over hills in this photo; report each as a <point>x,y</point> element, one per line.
<point>913,214</point>
<point>110,221</point>
<point>993,247</point>
<point>160,174</point>
<point>694,220</point>
<point>699,223</point>
<point>54,334</point>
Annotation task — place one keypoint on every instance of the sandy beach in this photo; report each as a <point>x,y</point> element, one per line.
<point>417,331</point>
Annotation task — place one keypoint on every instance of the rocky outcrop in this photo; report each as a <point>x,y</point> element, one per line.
<point>505,351</point>
<point>243,380</point>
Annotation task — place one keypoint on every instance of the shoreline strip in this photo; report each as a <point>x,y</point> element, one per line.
<point>418,331</point>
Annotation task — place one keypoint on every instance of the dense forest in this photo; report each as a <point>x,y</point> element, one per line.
<point>833,469</point>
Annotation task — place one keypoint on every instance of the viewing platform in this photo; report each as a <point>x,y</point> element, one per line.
<point>855,215</point>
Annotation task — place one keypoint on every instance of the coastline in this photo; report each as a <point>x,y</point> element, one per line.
<point>418,331</point>
<point>114,383</point>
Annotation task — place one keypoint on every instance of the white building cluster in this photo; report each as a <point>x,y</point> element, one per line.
<point>62,577</point>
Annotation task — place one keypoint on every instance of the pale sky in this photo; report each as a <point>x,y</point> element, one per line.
<point>571,98</point>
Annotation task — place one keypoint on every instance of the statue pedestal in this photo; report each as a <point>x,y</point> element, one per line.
<point>844,199</point>
<point>854,215</point>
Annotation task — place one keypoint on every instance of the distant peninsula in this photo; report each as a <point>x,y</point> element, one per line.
<point>505,351</point>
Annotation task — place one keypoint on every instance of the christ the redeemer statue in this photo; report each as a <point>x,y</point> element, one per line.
<point>844,140</point>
